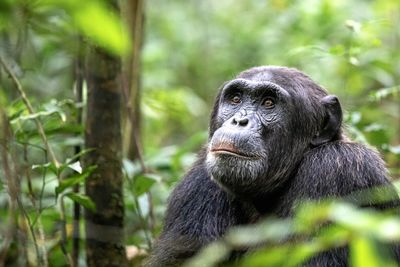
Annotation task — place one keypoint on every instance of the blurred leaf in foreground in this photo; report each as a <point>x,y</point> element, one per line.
<point>98,22</point>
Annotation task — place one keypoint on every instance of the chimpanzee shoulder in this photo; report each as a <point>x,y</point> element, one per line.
<point>337,169</point>
<point>341,167</point>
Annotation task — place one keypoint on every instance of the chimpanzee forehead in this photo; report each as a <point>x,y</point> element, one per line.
<point>256,86</point>
<point>292,80</point>
<point>260,76</point>
<point>281,76</point>
<point>274,74</point>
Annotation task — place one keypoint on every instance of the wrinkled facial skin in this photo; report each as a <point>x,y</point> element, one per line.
<point>255,140</point>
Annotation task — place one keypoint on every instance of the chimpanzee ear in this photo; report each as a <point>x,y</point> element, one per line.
<point>332,121</point>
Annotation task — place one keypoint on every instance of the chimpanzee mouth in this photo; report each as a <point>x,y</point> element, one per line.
<point>231,151</point>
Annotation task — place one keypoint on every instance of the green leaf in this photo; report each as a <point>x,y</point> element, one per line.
<point>74,179</point>
<point>269,230</point>
<point>209,256</point>
<point>337,50</point>
<point>40,114</point>
<point>46,166</point>
<point>367,252</point>
<point>143,183</point>
<point>82,199</point>
<point>98,22</point>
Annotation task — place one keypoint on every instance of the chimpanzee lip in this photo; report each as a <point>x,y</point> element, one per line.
<point>230,151</point>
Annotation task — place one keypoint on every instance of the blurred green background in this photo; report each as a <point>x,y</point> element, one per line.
<point>190,48</point>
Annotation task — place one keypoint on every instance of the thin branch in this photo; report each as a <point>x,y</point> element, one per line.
<point>131,93</point>
<point>28,105</point>
<point>11,175</point>
<point>48,147</point>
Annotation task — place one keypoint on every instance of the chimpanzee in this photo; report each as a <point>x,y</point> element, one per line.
<point>275,138</point>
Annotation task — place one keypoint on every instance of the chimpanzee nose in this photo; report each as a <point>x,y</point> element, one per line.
<point>240,121</point>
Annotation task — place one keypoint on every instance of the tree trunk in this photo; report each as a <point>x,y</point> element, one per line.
<point>104,226</point>
<point>134,14</point>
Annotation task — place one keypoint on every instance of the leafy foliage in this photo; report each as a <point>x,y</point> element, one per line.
<point>191,47</point>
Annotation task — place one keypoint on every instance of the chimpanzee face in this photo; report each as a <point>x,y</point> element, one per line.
<point>261,129</point>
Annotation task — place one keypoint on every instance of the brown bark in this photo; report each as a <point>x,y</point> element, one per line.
<point>135,18</point>
<point>104,226</point>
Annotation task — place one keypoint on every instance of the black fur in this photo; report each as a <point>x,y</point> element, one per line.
<point>262,160</point>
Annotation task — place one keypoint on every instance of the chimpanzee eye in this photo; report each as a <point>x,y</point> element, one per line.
<point>236,99</point>
<point>269,103</point>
